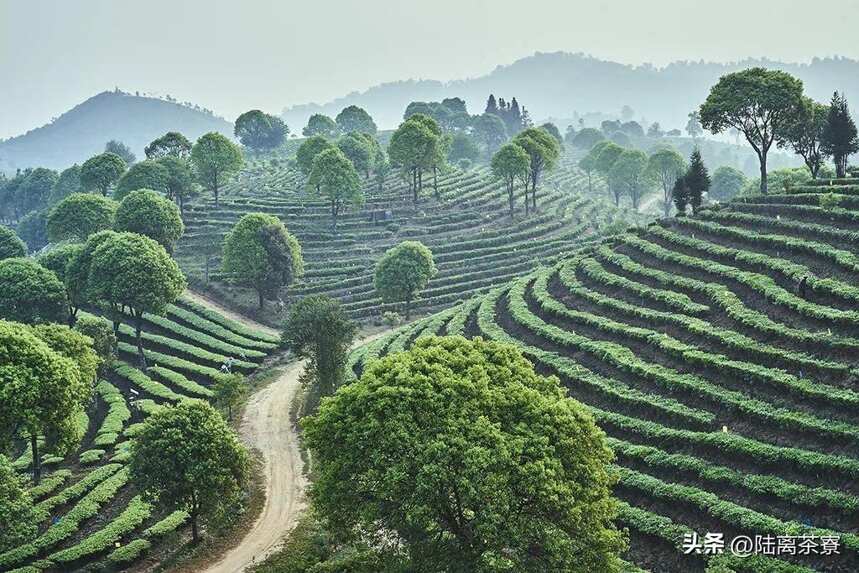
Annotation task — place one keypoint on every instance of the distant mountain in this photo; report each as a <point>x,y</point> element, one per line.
<point>561,84</point>
<point>82,131</point>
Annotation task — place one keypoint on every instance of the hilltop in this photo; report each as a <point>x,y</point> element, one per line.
<point>556,84</point>
<point>82,131</point>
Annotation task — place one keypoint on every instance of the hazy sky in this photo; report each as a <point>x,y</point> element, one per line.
<point>234,55</point>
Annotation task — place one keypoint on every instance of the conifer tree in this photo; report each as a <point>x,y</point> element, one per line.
<point>839,137</point>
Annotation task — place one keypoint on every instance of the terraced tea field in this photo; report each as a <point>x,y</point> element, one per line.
<point>475,243</point>
<point>93,516</point>
<point>719,354</point>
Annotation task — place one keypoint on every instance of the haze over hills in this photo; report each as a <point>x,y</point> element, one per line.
<point>82,131</point>
<point>557,84</point>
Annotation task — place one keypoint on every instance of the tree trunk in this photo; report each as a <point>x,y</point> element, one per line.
<point>195,534</point>
<point>138,320</point>
<point>534,197</point>
<point>259,292</point>
<point>510,196</point>
<point>415,186</point>
<point>435,182</point>
<point>666,195</point>
<point>763,160</point>
<point>37,462</point>
<point>216,194</point>
<point>590,187</point>
<point>408,307</point>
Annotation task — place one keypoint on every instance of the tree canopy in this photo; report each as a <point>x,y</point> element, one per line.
<point>354,118</point>
<point>216,160</point>
<point>101,172</point>
<point>307,152</point>
<point>260,131</point>
<point>18,515</point>
<point>727,183</point>
<point>588,137</point>
<point>629,172</point>
<point>489,129</point>
<point>10,245</point>
<point>148,174</point>
<point>334,177</point>
<point>470,458</point>
<point>543,151</point>
<point>805,134</point>
<point>511,163</point>
<point>665,166</point>
<point>80,215</point>
<point>147,213</point>
<point>839,136</point>
<point>402,272</point>
<point>119,148</point>
<point>180,180</point>
<point>413,148</point>
<point>320,124</point>
<point>171,144</point>
<point>30,293</point>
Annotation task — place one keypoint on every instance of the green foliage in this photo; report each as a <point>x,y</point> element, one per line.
<point>68,182</point>
<point>511,163</point>
<point>839,136</point>
<point>805,134</point>
<point>727,183</point>
<point>171,144</point>
<point>34,190</point>
<point>829,201</point>
<point>463,146</point>
<point>73,345</point>
<point>629,172</point>
<point>147,213</point>
<point>17,514</point>
<point>120,149</point>
<point>402,272</point>
<point>259,252</point>
<point>319,124</point>
<point>260,131</point>
<point>308,151</point>
<point>10,245</point>
<point>129,552</point>
<point>228,392</point>
<point>99,173</point>
<point>216,160</point>
<point>30,293</point>
<point>587,138</point>
<point>101,333</point>
<point>354,118</point>
<point>186,457</point>
<point>335,178</point>
<point>319,330</point>
<point>78,269</point>
<point>33,229</point>
<point>355,147</point>
<point>553,130</point>
<point>80,215</point>
<point>489,129</point>
<point>57,259</point>
<point>148,174</point>
<point>666,166</point>
<point>441,443</point>
<point>180,180</point>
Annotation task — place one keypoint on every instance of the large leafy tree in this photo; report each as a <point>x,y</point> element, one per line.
<point>354,118</point>
<point>171,144</point>
<point>358,150</point>
<point>104,341</point>
<point>463,146</point>
<point>57,260</point>
<point>33,229</point>
<point>435,157</point>
<point>320,124</point>
<point>80,215</point>
<point>473,460</point>
<point>588,137</point>
<point>77,272</point>
<point>307,152</point>
<point>101,172</point>
<point>402,272</point>
<point>148,174</point>
<point>805,134</point>
<point>30,293</point>
<point>10,245</point>
<point>319,330</point>
<point>727,183</point>
<point>665,166</point>
<point>147,213</point>
<point>413,147</point>
<point>119,148</point>
<point>180,185</point>
<point>35,189</point>
<point>489,129</point>
<point>335,178</point>
<point>759,103</point>
<point>43,387</point>
<point>134,272</point>
<point>543,151</point>
<point>629,173</point>
<point>68,182</point>
<point>216,160</point>
<point>260,253</point>
<point>260,131</point>
<point>18,515</point>
<point>511,164</point>
<point>187,457</point>
<point>839,137</point>
<point>605,154</point>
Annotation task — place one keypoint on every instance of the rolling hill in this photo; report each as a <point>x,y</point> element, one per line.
<point>82,131</point>
<point>720,355</point>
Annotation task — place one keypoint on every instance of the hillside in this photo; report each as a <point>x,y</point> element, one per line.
<point>99,521</point>
<point>557,84</point>
<point>82,131</point>
<point>475,244</point>
<point>719,354</point>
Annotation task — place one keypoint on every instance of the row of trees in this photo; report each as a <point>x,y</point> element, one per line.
<point>530,154</point>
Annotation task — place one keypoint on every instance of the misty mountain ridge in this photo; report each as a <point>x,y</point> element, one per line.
<point>82,131</point>
<point>563,84</point>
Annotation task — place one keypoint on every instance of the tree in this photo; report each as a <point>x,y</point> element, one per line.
<point>553,130</point>
<point>413,147</point>
<point>307,152</point>
<point>77,272</point>
<point>839,134</point>
<point>119,148</point>
<point>104,342</point>
<point>57,261</point>
<point>187,457</point>
<point>148,174</point>
<point>402,272</point>
<point>18,515</point>
<point>605,156</point>
<point>727,183</point>
<point>693,126</point>
<point>320,124</point>
<point>99,173</point>
<point>697,180</point>
<point>354,118</point>
<point>759,103</point>
<point>543,151</point>
<point>680,195</point>
<point>10,245</point>
<point>511,163</point>
<point>805,134</point>
<point>588,165</point>
<point>358,150</point>
<point>147,213</point>
<point>30,293</point>
<point>33,229</point>
<point>216,160</point>
<point>629,172</point>
<point>463,146</point>
<point>435,154</point>
<point>43,389</point>
<point>321,332</point>
<point>588,137</point>
<point>335,178</point>
<point>229,391</point>
<point>490,130</point>
<point>655,130</point>
<point>632,129</point>
<point>68,182</point>
<point>80,215</point>
<point>34,191</point>
<point>459,449</point>
<point>259,252</point>
<point>171,144</point>
<point>180,184</point>
<point>665,166</point>
<point>134,272</point>
<point>260,131</point>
